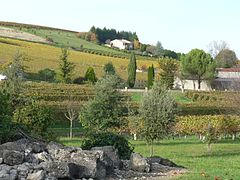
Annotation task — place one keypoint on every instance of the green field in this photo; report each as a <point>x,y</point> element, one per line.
<point>223,162</point>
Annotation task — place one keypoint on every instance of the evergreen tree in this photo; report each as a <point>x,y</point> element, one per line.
<point>109,69</point>
<point>132,67</point>
<point>150,76</point>
<point>90,75</point>
<point>103,113</point>
<point>66,67</point>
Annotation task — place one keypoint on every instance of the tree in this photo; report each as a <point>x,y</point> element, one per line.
<point>109,69</point>
<point>157,111</point>
<point>215,47</point>
<point>198,65</point>
<point>150,76</point>
<point>103,113</point>
<point>170,54</point>
<point>90,75</point>
<point>168,68</point>
<point>132,67</point>
<point>66,67</point>
<point>71,114</point>
<point>226,58</point>
<point>158,50</point>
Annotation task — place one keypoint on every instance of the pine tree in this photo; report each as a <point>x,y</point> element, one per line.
<point>150,76</point>
<point>90,75</point>
<point>66,67</point>
<point>132,67</point>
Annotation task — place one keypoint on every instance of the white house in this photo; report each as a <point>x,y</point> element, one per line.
<point>226,79</point>
<point>2,77</point>
<point>121,44</point>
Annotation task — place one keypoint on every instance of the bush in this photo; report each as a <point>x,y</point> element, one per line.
<point>47,75</point>
<point>79,80</point>
<point>109,139</point>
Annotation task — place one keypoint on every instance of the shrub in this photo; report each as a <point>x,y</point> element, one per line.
<point>47,75</point>
<point>79,80</point>
<point>109,139</point>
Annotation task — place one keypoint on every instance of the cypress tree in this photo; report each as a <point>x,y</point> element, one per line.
<point>150,76</point>
<point>132,67</point>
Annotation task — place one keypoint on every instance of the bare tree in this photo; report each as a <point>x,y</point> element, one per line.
<point>217,46</point>
<point>71,114</point>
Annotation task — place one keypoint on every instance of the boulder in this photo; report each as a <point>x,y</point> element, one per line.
<point>63,170</point>
<point>1,160</point>
<point>43,157</point>
<point>39,175</point>
<point>139,163</point>
<point>12,158</point>
<point>162,161</point>
<point>111,153</point>
<point>4,175</point>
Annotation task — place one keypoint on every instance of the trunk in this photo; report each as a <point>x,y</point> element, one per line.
<point>134,137</point>
<point>185,137</point>
<point>209,147</point>
<point>199,83</point>
<point>151,149</point>
<point>194,86</point>
<point>233,137</point>
<point>71,126</point>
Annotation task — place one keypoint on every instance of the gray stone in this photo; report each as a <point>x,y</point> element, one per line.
<point>12,158</point>
<point>139,163</point>
<point>39,175</point>
<point>1,160</point>
<point>112,153</point>
<point>5,167</point>
<point>53,148</point>
<point>162,161</point>
<point>13,174</point>
<point>43,157</point>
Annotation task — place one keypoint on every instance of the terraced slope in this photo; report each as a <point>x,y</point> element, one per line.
<point>43,56</point>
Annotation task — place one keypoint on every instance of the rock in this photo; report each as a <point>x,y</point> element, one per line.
<point>63,170</point>
<point>1,160</point>
<point>162,161</point>
<point>139,163</point>
<point>12,158</point>
<point>38,147</point>
<point>5,167</point>
<point>39,175</point>
<point>13,174</point>
<point>4,175</point>
<point>53,148</point>
<point>112,153</point>
<point>43,157</point>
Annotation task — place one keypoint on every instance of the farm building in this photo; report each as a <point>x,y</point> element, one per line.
<point>226,79</point>
<point>121,44</point>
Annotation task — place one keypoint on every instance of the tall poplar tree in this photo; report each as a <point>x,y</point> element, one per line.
<point>132,67</point>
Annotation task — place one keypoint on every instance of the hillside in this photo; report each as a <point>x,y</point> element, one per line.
<point>43,56</point>
<point>59,37</point>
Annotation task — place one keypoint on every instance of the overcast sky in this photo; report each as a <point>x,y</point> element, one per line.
<point>180,25</point>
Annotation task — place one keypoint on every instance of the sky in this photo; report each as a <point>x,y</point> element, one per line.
<point>180,25</point>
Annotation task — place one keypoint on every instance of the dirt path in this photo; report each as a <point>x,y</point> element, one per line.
<point>12,33</point>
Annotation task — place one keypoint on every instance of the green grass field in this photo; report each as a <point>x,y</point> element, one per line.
<point>222,163</point>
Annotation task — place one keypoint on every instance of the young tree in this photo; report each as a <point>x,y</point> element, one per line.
<point>150,76</point>
<point>157,111</point>
<point>198,65</point>
<point>66,67</point>
<point>103,113</point>
<point>168,68</point>
<point>90,75</point>
<point>109,69</point>
<point>132,67</point>
<point>71,114</point>
<point>226,59</point>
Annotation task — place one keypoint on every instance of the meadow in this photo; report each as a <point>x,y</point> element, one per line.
<point>222,163</point>
<point>40,56</point>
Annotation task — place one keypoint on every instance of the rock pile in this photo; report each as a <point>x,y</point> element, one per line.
<point>24,159</point>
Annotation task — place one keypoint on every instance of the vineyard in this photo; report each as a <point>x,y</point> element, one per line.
<point>42,56</point>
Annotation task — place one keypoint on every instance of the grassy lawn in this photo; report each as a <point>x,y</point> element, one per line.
<point>223,162</point>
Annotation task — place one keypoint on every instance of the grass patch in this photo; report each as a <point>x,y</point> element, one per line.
<point>192,154</point>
